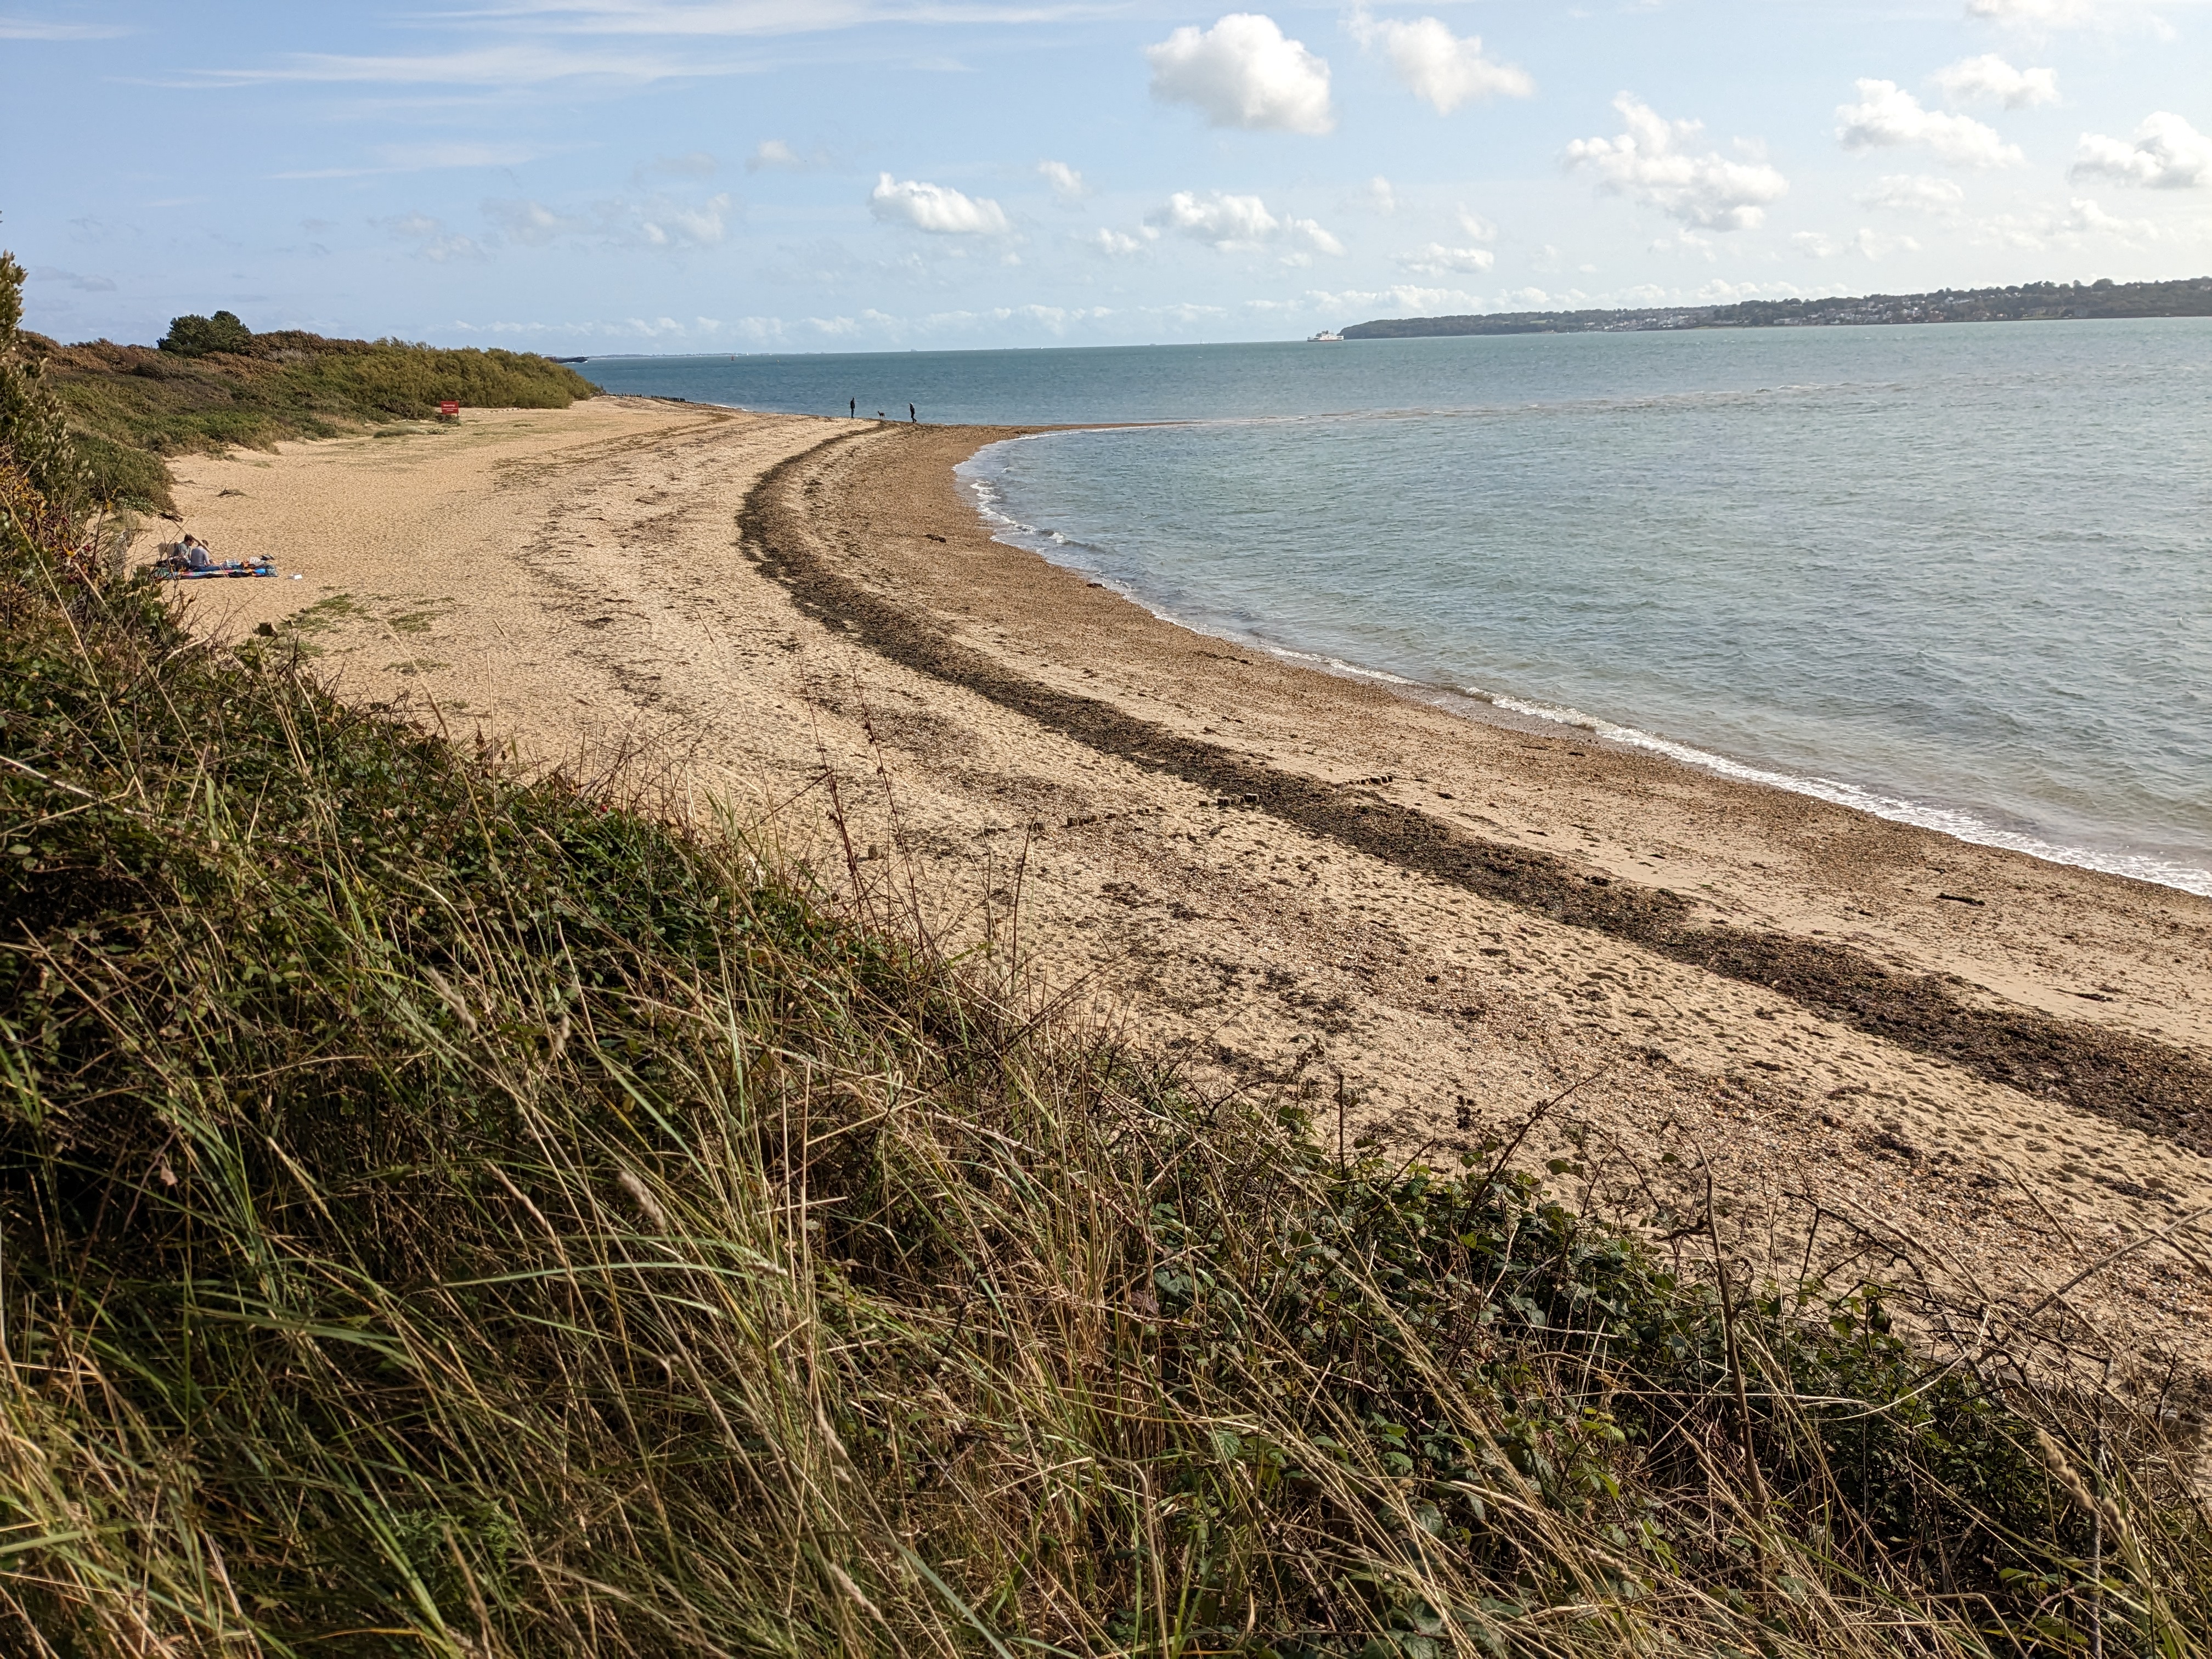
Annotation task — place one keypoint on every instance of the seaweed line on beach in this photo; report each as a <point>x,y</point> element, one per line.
<point>2138,1082</point>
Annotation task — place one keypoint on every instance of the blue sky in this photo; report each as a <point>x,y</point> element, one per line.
<point>742,175</point>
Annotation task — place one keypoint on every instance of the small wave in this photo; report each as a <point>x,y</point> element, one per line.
<point>1945,820</point>
<point>1351,670</point>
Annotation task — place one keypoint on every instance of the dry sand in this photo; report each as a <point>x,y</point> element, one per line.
<point>1291,881</point>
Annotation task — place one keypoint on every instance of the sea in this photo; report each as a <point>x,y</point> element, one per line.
<point>1956,574</point>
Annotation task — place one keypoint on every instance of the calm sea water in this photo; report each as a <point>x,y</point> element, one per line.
<point>1958,576</point>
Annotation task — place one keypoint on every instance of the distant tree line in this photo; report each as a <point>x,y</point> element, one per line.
<point>2024,302</point>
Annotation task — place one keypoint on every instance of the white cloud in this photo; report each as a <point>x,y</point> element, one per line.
<point>1990,80</point>
<point>2051,14</point>
<point>432,241</point>
<point>1404,298</point>
<point>1115,246</point>
<point>1242,224</point>
<point>424,158</point>
<point>939,209</point>
<point>1913,192</point>
<point>1648,164</point>
<point>739,18</point>
<point>2167,154</point>
<point>654,222</point>
<point>1376,195</point>
<point>1870,244</point>
<point>672,224</point>
<point>634,328</point>
<point>1067,183</point>
<point>1185,312</point>
<point>1437,260</point>
<point>1052,320</point>
<point>692,164</point>
<point>532,224</point>
<point>1243,72</point>
<point>2082,220</point>
<point>1686,240</point>
<point>1475,226</point>
<point>1304,235</point>
<point>455,155</point>
<point>1438,67</point>
<point>1886,116</point>
<point>758,331</point>
<point>1537,299</point>
<point>775,155</point>
<point>35,29</point>
<point>519,65</point>
<point>1721,292</point>
<point>2086,216</point>
<point>1232,224</point>
<point>535,52</point>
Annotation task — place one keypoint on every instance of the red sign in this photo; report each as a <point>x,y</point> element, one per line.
<point>451,406</point>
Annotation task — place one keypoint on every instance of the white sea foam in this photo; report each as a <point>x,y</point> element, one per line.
<point>1351,670</point>
<point>1945,820</point>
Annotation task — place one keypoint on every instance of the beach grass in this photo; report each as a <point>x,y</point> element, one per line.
<point>131,407</point>
<point>452,1211</point>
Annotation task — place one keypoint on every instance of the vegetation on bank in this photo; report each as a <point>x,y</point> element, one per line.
<point>2020,302</point>
<point>215,385</point>
<point>452,1212</point>
<point>33,429</point>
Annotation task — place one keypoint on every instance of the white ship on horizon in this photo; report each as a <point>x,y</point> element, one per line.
<point>1324,337</point>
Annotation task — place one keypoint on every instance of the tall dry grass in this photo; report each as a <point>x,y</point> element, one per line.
<point>443,1211</point>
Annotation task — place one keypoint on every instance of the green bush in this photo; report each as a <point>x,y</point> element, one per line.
<point>196,337</point>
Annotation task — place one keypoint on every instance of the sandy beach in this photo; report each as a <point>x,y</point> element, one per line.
<point>1897,1054</point>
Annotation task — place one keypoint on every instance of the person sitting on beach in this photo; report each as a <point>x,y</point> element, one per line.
<point>191,554</point>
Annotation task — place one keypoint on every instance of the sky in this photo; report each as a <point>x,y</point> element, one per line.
<point>809,175</point>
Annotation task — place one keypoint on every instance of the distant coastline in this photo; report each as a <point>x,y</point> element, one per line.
<point>2023,302</point>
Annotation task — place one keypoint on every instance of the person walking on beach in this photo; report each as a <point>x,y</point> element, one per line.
<point>912,419</point>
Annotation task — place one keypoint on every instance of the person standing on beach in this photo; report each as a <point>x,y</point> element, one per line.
<point>853,407</point>
<point>912,419</point>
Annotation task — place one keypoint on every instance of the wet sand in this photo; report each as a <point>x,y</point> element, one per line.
<point>1898,1054</point>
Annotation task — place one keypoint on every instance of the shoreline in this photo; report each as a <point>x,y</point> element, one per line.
<point>1964,823</point>
<point>2101,1076</point>
<point>1433,924</point>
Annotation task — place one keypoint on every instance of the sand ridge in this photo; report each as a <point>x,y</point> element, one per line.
<point>576,580</point>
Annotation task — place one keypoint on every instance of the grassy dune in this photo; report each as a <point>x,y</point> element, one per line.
<point>451,1213</point>
<point>130,406</point>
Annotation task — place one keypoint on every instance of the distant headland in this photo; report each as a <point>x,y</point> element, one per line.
<point>2026,302</point>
